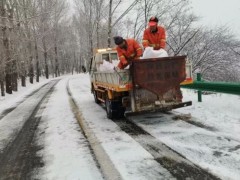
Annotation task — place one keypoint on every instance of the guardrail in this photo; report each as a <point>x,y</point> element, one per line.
<point>221,87</point>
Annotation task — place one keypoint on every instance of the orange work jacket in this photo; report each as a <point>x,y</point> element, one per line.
<point>156,40</point>
<point>133,51</point>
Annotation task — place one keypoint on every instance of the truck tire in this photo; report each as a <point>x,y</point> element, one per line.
<point>111,109</point>
<point>114,109</point>
<point>95,97</point>
<point>121,111</point>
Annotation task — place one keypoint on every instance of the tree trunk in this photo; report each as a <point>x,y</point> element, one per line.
<point>6,44</point>
<point>46,65</point>
<point>110,23</point>
<point>98,18</point>
<point>72,70</point>
<point>14,75</point>
<point>52,67</point>
<point>56,61</point>
<point>98,38</point>
<point>91,31</point>
<point>37,62</point>
<point>23,74</point>
<point>145,13</point>
<point>31,71</point>
<point>14,81</point>
<point>14,69</point>
<point>2,88</point>
<point>76,62</point>
<point>38,71</point>
<point>29,44</point>
<point>8,80</point>
<point>23,80</point>
<point>45,56</point>
<point>80,65</point>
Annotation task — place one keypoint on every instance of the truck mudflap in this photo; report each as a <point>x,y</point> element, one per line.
<point>162,108</point>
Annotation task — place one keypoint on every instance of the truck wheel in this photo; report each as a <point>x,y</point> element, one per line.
<point>121,111</point>
<point>111,109</point>
<point>95,97</point>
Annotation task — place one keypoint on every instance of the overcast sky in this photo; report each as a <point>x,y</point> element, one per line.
<point>219,12</point>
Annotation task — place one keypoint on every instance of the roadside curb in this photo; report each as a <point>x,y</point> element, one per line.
<point>106,166</point>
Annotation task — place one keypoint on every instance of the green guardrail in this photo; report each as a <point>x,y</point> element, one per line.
<point>220,87</point>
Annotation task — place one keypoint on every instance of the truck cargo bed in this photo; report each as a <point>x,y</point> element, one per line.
<point>119,81</point>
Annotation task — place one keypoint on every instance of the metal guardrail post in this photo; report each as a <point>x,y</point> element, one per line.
<point>199,92</point>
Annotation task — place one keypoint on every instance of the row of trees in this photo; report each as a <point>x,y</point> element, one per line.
<point>36,39</point>
<point>47,37</point>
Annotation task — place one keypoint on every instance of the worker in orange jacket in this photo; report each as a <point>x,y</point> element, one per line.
<point>128,50</point>
<point>154,36</point>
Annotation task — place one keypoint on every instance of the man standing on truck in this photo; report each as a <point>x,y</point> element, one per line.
<point>154,36</point>
<point>128,50</point>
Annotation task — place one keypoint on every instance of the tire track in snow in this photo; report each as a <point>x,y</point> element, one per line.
<point>7,111</point>
<point>175,163</point>
<point>18,159</point>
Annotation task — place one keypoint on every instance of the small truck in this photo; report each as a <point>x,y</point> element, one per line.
<point>147,86</point>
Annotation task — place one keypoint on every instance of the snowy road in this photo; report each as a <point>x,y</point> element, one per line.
<point>17,129</point>
<point>58,132</point>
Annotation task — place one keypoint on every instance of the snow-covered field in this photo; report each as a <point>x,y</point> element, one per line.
<point>215,146</point>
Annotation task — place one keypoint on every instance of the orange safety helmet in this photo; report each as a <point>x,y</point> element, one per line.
<point>153,21</point>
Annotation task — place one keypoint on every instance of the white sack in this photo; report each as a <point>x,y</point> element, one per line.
<point>107,66</point>
<point>150,53</point>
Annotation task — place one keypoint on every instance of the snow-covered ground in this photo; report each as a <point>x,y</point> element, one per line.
<point>11,100</point>
<point>219,149</point>
<point>132,161</point>
<point>66,153</point>
<point>215,147</point>
<point>67,156</point>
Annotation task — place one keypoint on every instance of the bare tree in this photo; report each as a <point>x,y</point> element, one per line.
<point>98,9</point>
<point>6,29</point>
<point>181,32</point>
<point>59,12</point>
<point>2,61</point>
<point>34,33</point>
<point>210,54</point>
<point>112,10</point>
